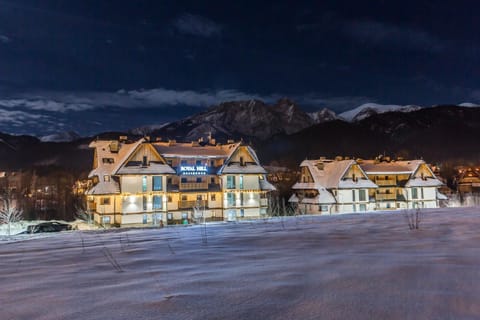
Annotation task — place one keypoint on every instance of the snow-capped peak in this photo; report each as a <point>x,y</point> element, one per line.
<point>367,109</point>
<point>65,136</point>
<point>469,104</point>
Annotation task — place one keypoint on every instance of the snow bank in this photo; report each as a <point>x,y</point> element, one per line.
<point>363,266</point>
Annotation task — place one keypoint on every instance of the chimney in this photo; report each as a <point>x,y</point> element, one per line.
<point>123,138</point>
<point>230,141</point>
<point>158,139</point>
<point>172,142</point>
<point>114,147</point>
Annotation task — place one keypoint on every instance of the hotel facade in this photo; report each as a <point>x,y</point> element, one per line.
<point>153,183</point>
<point>344,186</point>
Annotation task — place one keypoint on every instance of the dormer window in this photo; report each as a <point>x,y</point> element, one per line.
<point>106,178</point>
<point>242,162</point>
<point>108,160</point>
<point>144,161</point>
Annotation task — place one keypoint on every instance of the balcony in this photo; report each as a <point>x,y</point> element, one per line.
<point>385,196</point>
<point>193,185</point>
<point>388,182</point>
<point>192,203</point>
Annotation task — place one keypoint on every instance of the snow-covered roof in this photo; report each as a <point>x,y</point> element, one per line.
<point>102,151</point>
<point>324,197</point>
<point>331,175</point>
<point>293,198</point>
<point>266,186</point>
<point>152,168</point>
<point>392,167</point>
<point>247,168</point>
<point>441,196</point>
<point>167,149</point>
<point>426,182</point>
<point>306,186</point>
<point>104,187</point>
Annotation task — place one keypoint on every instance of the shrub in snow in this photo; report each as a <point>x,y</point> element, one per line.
<point>413,219</point>
<point>9,213</point>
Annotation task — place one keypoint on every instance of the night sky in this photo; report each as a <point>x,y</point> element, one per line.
<point>93,66</point>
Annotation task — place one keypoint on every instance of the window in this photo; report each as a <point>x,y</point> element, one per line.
<point>106,178</point>
<point>363,207</point>
<point>157,202</point>
<point>421,193</point>
<point>183,162</point>
<point>362,195</point>
<point>198,162</point>
<point>240,182</point>
<point>157,183</point>
<point>145,218</point>
<point>230,199</point>
<point>184,215</point>
<point>184,180</point>
<point>213,197</point>
<point>242,162</point>
<point>241,199</point>
<point>230,182</point>
<point>242,213</point>
<point>353,195</point>
<point>212,180</point>
<point>169,216</point>
<point>144,161</point>
<point>144,184</point>
<point>199,180</point>
<point>106,220</point>
<point>323,208</point>
<point>169,180</point>
<point>212,163</point>
<point>414,193</point>
<point>108,160</point>
<point>105,201</point>
<point>263,211</point>
<point>184,197</point>
<point>169,198</point>
<point>144,202</point>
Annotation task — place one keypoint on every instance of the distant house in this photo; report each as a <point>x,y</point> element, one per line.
<point>468,179</point>
<point>342,186</point>
<point>145,182</point>
<point>403,184</point>
<point>332,186</point>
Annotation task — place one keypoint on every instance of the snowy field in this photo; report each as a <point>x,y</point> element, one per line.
<point>367,266</point>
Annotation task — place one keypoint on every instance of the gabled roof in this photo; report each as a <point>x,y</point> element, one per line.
<point>246,168</point>
<point>331,176</point>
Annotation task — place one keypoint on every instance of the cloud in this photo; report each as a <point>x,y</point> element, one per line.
<point>197,26</point>
<point>66,102</point>
<point>4,38</point>
<point>385,34</point>
<point>20,118</point>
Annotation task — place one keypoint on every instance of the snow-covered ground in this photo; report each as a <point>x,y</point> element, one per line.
<point>368,266</point>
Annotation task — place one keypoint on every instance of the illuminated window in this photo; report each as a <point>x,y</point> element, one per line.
<point>157,183</point>
<point>213,197</point>
<point>106,178</point>
<point>144,202</point>
<point>230,182</point>
<point>199,180</point>
<point>157,202</point>
<point>105,201</point>
<point>144,183</point>
<point>230,199</point>
<point>240,182</point>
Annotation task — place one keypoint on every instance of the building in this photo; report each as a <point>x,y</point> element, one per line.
<point>145,182</point>
<point>403,184</point>
<point>332,186</point>
<point>467,179</point>
<point>342,186</point>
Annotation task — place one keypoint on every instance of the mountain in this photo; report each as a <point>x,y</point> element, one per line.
<point>250,119</point>
<point>65,136</point>
<point>323,115</point>
<point>442,133</point>
<point>368,109</point>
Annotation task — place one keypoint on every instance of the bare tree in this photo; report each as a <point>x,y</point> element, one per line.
<point>9,213</point>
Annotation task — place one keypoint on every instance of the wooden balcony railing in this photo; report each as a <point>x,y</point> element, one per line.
<point>193,185</point>
<point>192,203</point>
<point>386,196</point>
<point>389,182</point>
